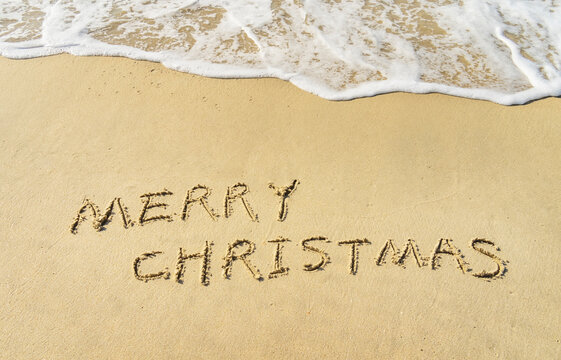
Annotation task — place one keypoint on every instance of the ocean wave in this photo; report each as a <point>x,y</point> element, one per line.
<point>506,51</point>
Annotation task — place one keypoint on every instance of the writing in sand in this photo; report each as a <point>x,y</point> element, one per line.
<point>242,250</point>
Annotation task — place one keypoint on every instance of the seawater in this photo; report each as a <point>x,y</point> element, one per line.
<point>506,51</point>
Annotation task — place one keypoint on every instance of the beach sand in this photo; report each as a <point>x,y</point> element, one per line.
<point>82,130</point>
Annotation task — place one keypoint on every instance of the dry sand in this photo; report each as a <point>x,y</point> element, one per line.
<point>397,166</point>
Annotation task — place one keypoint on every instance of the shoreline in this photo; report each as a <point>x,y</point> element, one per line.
<point>424,88</point>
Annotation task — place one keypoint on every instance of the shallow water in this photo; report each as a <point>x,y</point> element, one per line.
<point>506,51</point>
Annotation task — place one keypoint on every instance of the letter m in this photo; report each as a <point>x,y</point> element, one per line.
<point>99,219</point>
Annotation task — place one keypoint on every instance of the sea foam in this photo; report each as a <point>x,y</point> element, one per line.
<point>506,51</point>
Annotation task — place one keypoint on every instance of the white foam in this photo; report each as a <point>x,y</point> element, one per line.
<point>506,51</point>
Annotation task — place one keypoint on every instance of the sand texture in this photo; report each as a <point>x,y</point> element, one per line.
<point>151,214</point>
